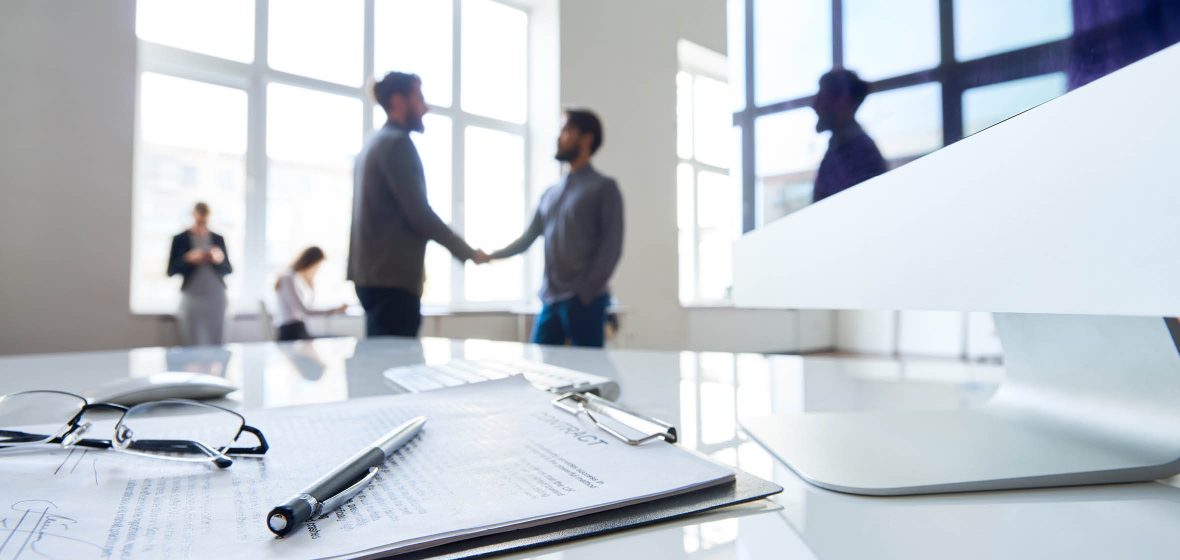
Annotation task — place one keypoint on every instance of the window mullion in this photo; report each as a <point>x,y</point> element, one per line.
<point>315,84</point>
<point>713,168</point>
<point>162,59</point>
<point>526,268</point>
<point>256,167</point>
<point>696,234</point>
<point>458,157</point>
<point>497,124</point>
<point>745,119</point>
<point>370,46</point>
<point>952,88</point>
<point>837,33</point>
<point>696,217</point>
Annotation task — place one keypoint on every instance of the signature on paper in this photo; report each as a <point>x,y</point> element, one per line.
<point>34,528</point>
<point>74,459</point>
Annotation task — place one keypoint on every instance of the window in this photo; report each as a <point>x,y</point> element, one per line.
<point>192,142</point>
<point>495,197</point>
<point>309,176</point>
<point>237,108</point>
<point>938,70</point>
<point>984,27</point>
<point>885,39</point>
<point>427,46</point>
<point>707,197</point>
<point>788,151</point>
<point>988,105</point>
<point>792,50</point>
<point>904,121</point>
<point>495,49</point>
<point>338,28</point>
<point>220,28</point>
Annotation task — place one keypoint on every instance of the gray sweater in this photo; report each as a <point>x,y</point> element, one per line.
<point>391,219</point>
<point>582,221</point>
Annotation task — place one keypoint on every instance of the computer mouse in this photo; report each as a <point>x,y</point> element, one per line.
<point>157,386</point>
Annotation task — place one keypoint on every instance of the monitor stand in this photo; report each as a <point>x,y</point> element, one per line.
<point>1086,400</point>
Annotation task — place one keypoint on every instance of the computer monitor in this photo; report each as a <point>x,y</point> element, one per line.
<point>1065,221</point>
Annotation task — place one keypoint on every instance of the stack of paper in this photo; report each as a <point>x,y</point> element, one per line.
<point>492,457</point>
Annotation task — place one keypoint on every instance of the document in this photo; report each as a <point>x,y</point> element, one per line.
<point>492,457</point>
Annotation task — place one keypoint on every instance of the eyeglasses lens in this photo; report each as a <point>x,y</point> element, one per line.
<point>186,431</point>
<point>36,416</point>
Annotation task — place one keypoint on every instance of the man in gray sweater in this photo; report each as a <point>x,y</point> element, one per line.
<point>391,219</point>
<point>581,218</point>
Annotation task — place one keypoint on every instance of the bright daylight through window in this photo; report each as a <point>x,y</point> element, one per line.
<point>708,201</point>
<point>238,109</point>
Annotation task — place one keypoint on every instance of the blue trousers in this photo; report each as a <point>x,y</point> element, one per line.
<point>572,321</point>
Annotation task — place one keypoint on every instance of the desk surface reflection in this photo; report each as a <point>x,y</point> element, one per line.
<point>705,395</point>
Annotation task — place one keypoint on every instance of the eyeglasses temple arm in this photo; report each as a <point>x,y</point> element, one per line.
<point>86,442</point>
<point>260,449</point>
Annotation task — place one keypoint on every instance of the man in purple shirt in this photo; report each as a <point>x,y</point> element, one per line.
<point>852,157</point>
<point>581,218</point>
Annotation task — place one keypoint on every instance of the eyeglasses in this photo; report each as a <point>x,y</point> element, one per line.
<point>174,429</point>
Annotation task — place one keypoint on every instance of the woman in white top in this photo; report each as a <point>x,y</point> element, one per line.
<point>296,289</point>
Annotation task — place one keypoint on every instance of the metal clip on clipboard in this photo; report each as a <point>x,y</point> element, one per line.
<point>595,407</point>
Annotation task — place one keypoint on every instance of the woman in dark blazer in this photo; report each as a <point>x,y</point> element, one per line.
<point>199,255</point>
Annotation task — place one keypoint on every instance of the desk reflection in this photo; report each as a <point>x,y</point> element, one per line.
<point>210,360</point>
<point>708,395</point>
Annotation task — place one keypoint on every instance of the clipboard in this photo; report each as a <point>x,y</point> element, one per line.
<point>745,488</point>
<point>598,410</point>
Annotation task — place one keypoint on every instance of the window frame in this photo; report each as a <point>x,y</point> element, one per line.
<point>698,62</point>
<point>955,77</point>
<point>254,77</point>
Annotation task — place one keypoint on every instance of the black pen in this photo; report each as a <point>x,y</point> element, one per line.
<point>342,484</point>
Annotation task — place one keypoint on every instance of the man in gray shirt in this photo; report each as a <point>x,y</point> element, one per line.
<point>581,218</point>
<point>391,219</point>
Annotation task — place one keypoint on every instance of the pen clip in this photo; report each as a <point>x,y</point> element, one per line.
<point>348,493</point>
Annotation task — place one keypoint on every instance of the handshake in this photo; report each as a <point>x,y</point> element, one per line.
<point>481,257</point>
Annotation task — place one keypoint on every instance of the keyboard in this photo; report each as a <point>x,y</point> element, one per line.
<point>422,377</point>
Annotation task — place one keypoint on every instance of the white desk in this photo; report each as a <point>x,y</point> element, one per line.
<point>705,394</point>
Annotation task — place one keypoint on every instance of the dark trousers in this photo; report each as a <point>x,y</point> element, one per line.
<point>390,311</point>
<point>571,320</point>
<point>295,330</point>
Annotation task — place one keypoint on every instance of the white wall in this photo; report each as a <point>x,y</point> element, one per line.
<point>66,123</point>
<point>866,332</point>
<point>66,126</point>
